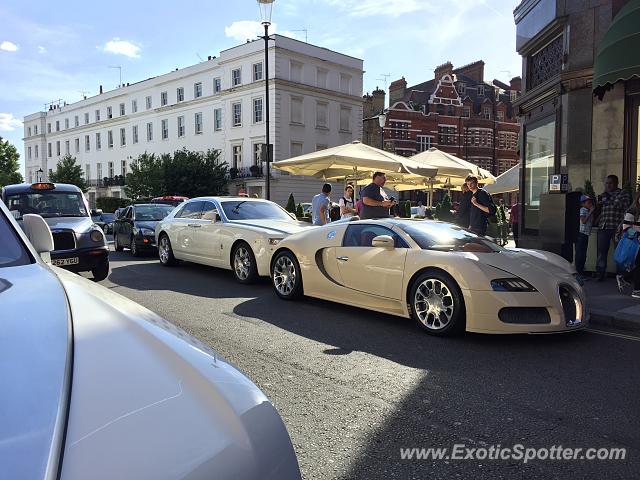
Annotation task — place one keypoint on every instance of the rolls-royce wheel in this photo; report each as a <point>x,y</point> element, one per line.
<point>101,271</point>
<point>165,252</point>
<point>286,276</point>
<point>244,263</point>
<point>437,304</point>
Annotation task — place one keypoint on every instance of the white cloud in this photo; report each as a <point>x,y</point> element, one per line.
<point>122,47</point>
<point>8,123</point>
<point>41,49</point>
<point>8,46</point>
<point>243,30</point>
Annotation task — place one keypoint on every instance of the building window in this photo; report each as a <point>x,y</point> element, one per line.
<point>466,112</point>
<point>462,88</point>
<point>76,121</point>
<point>99,171</point>
<point>321,77</point>
<point>295,71</point>
<point>198,123</point>
<point>486,113</point>
<point>237,156</point>
<point>109,112</point>
<point>123,167</point>
<point>500,116</point>
<point>197,90</point>
<point>122,110</point>
<point>149,102</point>
<point>322,114</point>
<point>257,110</point>
<point>123,137</point>
<point>110,139</point>
<point>29,153</point>
<point>180,126</point>
<point>29,131</point>
<point>257,72</point>
<point>217,119</point>
<point>296,111</point>
<point>97,115</point>
<point>86,118</point>
<point>481,90</point>
<point>345,119</point>
<point>36,152</point>
<point>149,132</point>
<point>236,77</point>
<point>545,64</point>
<point>87,143</point>
<point>257,153</point>
<point>164,99</point>
<point>49,127</point>
<point>134,134</point>
<point>98,141</point>
<point>538,165</point>
<point>345,83</point>
<point>513,95</point>
<point>66,123</point>
<point>424,142</point>
<point>217,85</point>
<point>447,135</point>
<point>67,147</point>
<point>134,106</point>
<point>87,171</point>
<point>77,145</point>
<point>35,130</point>
<point>164,127</point>
<point>110,169</point>
<point>57,125</point>
<point>58,148</point>
<point>296,149</point>
<point>237,114</point>
<point>180,94</point>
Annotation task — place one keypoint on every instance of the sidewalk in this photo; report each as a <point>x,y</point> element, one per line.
<point>609,307</point>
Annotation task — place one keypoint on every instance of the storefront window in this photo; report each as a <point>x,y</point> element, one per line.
<point>538,165</point>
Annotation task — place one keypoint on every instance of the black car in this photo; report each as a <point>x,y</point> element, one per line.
<point>103,220</point>
<point>135,227</point>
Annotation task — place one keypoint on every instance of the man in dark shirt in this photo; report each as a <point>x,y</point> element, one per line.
<point>481,207</point>
<point>375,202</point>
<point>464,211</point>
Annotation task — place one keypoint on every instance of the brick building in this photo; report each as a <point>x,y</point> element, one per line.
<point>456,111</point>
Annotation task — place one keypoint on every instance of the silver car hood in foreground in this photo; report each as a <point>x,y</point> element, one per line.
<point>35,370</point>
<point>150,402</point>
<point>78,224</point>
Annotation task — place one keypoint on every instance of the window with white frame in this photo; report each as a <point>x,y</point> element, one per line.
<point>86,118</point>
<point>164,99</point>
<point>513,95</point>
<point>180,126</point>
<point>257,153</point>
<point>76,121</point>
<point>217,85</point>
<point>149,102</point>
<point>164,127</point>
<point>500,115</point>
<point>67,147</point>
<point>58,125</point>
<point>134,134</point>
<point>321,77</point>
<point>447,135</point>
<point>424,142</point>
<point>236,108</point>
<point>322,114</point>
<point>97,115</point>
<point>462,88</point>
<point>345,83</point>
<point>123,167</point>
<point>110,139</point>
<point>198,123</point>
<point>217,119</point>
<point>87,171</point>
<point>49,127</point>
<point>236,77</point>
<point>87,143</point>
<point>29,131</point>
<point>180,94</point>
<point>77,145</point>
<point>257,110</point>
<point>35,129</point>
<point>58,148</point>
<point>296,111</point>
<point>30,176</point>
<point>486,112</point>
<point>99,171</point>
<point>110,169</point>
<point>35,152</point>
<point>98,141</point>
<point>257,72</point>
<point>197,90</point>
<point>109,112</point>
<point>134,106</point>
<point>123,137</point>
<point>29,153</point>
<point>466,112</point>
<point>480,89</point>
<point>345,119</point>
<point>237,156</point>
<point>149,132</point>
<point>122,110</point>
<point>66,123</point>
<point>49,152</point>
<point>296,148</point>
<point>295,71</point>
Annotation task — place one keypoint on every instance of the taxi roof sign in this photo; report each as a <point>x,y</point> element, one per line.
<point>43,186</point>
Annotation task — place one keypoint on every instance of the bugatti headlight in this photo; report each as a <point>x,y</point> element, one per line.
<point>96,235</point>
<point>274,241</point>
<point>511,285</point>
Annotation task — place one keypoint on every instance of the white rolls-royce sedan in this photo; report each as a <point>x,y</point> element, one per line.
<point>97,387</point>
<point>235,233</point>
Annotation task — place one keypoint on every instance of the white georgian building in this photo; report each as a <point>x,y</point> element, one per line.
<point>315,103</point>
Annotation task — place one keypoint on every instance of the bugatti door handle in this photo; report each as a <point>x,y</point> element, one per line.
<point>343,259</point>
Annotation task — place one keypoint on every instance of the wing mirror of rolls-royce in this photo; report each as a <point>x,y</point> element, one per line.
<point>212,215</point>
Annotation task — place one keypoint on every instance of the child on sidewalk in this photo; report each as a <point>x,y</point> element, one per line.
<point>582,242</point>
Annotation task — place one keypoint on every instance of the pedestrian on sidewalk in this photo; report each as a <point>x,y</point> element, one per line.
<point>613,204</point>
<point>631,220</point>
<point>514,220</point>
<point>482,207</point>
<point>375,201</point>
<point>582,242</point>
<point>347,208</point>
<point>321,205</point>
<point>464,210</point>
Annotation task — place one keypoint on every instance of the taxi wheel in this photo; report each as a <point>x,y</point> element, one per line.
<point>437,304</point>
<point>117,247</point>
<point>101,272</point>
<point>243,263</point>
<point>135,250</point>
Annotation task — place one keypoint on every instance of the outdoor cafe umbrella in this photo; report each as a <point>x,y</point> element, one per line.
<point>509,181</point>
<point>451,167</point>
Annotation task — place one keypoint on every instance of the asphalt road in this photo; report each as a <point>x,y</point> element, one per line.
<point>354,386</point>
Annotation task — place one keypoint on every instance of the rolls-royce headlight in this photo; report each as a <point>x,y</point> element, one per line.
<point>96,235</point>
<point>274,241</point>
<point>512,285</point>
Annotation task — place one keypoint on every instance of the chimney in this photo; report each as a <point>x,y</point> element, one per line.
<point>100,89</point>
<point>516,84</point>
<point>474,71</point>
<point>441,70</point>
<point>209,57</point>
<point>378,100</point>
<point>397,90</point>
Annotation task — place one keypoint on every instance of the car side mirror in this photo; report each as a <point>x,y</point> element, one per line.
<point>293,215</point>
<point>95,212</point>
<point>384,241</point>
<point>212,215</point>
<point>39,234</point>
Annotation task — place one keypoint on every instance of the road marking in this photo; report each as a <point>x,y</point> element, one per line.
<point>612,334</point>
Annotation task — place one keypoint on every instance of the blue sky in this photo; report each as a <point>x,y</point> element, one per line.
<point>57,50</point>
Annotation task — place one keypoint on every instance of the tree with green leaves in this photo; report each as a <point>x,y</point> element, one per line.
<point>146,176</point>
<point>68,172</point>
<point>9,164</point>
<point>195,174</point>
<point>291,204</point>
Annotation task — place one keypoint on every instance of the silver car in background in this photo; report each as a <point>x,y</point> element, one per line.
<point>98,387</point>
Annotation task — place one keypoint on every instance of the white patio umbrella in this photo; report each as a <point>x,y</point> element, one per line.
<point>509,181</point>
<point>452,168</point>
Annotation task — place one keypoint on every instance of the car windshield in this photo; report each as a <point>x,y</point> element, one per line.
<point>12,251</point>
<point>252,210</point>
<point>449,238</point>
<point>152,213</point>
<point>47,204</point>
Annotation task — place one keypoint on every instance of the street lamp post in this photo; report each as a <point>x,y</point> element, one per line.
<point>382,119</point>
<point>39,172</point>
<point>266,6</point>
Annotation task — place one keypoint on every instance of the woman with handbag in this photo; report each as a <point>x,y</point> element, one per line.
<point>631,243</point>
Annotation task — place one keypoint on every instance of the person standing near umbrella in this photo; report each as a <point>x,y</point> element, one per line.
<point>320,206</point>
<point>482,207</point>
<point>347,208</point>
<point>375,201</point>
<point>464,211</point>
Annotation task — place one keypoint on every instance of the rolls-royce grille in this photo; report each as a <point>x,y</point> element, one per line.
<point>571,304</point>
<point>524,315</point>
<point>64,240</point>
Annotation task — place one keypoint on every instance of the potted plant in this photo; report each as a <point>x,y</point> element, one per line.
<point>255,170</point>
<point>233,172</point>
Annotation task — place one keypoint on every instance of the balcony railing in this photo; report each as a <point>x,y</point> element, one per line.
<point>254,171</point>
<point>117,181</point>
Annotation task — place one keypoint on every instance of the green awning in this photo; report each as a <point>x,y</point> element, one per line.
<point>618,55</point>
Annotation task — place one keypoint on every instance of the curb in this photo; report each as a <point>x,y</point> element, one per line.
<point>623,321</point>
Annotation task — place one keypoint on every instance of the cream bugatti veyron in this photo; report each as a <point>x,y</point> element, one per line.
<point>445,277</point>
